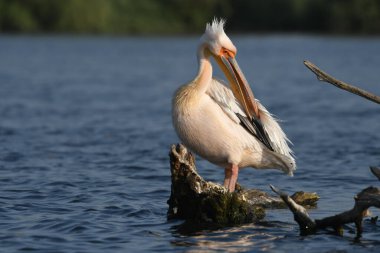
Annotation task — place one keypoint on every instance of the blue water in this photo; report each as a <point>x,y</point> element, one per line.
<point>85,131</point>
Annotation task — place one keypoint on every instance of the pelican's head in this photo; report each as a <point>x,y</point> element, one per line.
<point>216,40</point>
<point>217,44</point>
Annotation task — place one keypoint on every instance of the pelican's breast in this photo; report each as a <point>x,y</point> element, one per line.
<point>204,128</point>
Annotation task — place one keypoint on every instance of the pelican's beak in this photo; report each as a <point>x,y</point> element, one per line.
<point>239,84</point>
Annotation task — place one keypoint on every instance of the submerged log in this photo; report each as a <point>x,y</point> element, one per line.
<point>196,200</point>
<point>368,197</point>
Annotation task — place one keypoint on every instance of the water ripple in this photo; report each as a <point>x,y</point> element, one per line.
<point>84,143</point>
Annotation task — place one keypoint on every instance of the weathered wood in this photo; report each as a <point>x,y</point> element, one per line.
<point>365,199</point>
<point>306,224</point>
<point>323,76</point>
<point>369,197</point>
<point>196,200</point>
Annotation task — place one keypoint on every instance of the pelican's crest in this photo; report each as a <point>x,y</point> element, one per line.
<point>215,28</point>
<point>215,38</point>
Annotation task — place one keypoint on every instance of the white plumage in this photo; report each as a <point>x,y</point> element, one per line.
<point>224,97</point>
<point>229,128</point>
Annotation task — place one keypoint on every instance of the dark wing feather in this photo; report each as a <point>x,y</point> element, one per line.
<point>255,127</point>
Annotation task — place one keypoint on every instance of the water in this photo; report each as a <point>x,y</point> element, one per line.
<point>85,133</point>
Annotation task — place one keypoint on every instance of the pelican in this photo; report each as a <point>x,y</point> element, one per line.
<point>228,127</point>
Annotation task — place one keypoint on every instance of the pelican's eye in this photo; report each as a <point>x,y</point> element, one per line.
<point>227,53</point>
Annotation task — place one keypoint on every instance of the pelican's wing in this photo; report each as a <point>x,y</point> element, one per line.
<point>224,97</point>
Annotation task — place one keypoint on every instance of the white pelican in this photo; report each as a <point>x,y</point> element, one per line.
<point>227,127</point>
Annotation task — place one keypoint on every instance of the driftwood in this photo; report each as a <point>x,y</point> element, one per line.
<point>200,202</point>
<point>369,197</point>
<point>323,76</point>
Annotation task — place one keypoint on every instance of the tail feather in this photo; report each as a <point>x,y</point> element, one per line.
<point>279,140</point>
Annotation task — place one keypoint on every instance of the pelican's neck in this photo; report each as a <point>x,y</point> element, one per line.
<point>204,77</point>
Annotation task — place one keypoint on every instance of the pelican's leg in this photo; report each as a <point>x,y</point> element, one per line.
<point>230,177</point>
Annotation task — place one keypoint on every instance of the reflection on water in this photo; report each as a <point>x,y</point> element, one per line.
<point>85,132</point>
<point>231,239</point>
<point>270,236</point>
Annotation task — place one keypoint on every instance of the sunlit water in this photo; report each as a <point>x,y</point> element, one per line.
<point>85,131</point>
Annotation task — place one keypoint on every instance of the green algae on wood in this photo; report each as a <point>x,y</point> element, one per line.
<point>192,198</point>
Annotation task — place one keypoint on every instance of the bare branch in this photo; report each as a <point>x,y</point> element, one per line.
<point>306,224</point>
<point>365,199</point>
<point>323,76</point>
<point>369,197</point>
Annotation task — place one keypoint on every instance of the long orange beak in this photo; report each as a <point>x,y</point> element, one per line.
<point>239,85</point>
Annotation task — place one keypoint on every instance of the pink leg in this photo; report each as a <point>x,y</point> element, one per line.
<point>230,177</point>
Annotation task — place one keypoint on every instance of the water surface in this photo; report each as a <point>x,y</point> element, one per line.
<point>85,132</point>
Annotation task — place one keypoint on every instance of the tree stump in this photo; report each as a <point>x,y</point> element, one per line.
<point>200,202</point>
